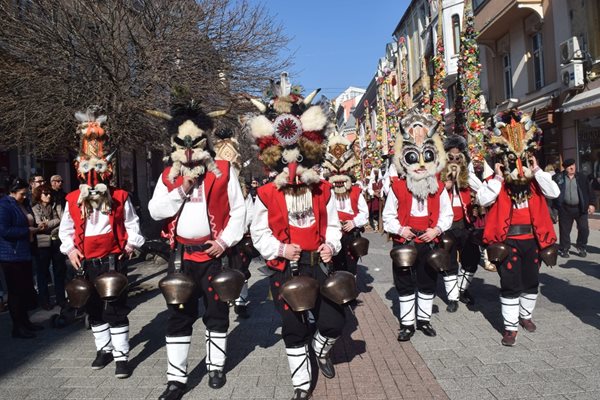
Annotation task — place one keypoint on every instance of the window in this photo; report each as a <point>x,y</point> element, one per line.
<point>456,33</point>
<point>451,96</point>
<point>538,60</point>
<point>507,71</point>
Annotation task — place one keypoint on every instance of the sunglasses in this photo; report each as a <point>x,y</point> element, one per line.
<point>457,157</point>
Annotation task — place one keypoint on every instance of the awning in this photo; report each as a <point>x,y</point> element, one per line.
<point>587,99</point>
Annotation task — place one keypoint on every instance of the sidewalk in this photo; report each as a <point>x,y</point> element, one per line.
<point>561,360</point>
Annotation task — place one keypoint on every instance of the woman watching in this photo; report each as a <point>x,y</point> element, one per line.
<point>16,233</point>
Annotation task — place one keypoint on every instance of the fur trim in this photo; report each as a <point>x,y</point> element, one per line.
<point>271,156</point>
<point>189,128</point>
<point>310,177</point>
<point>312,151</point>
<point>455,141</point>
<point>441,156</point>
<point>281,179</point>
<point>260,126</point>
<point>313,119</point>
<point>338,139</point>
<point>290,155</point>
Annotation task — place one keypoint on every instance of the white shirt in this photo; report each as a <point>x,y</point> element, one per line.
<point>193,222</point>
<point>345,206</point>
<point>488,191</point>
<point>268,245</point>
<point>98,223</point>
<point>391,224</point>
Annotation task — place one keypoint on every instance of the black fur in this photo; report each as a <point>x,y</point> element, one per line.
<point>188,112</point>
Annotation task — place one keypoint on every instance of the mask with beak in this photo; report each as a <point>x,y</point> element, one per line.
<point>512,139</point>
<point>290,134</point>
<point>339,163</point>
<point>419,153</point>
<point>93,164</point>
<point>191,153</point>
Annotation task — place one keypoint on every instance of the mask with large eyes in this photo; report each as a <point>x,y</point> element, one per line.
<point>419,161</point>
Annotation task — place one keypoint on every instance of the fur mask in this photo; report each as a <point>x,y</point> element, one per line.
<point>512,139</point>
<point>339,163</point>
<point>290,134</point>
<point>419,154</point>
<point>93,164</point>
<point>457,162</point>
<point>191,153</point>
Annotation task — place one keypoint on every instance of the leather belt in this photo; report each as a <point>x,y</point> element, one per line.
<point>311,258</point>
<point>100,262</point>
<point>192,248</point>
<point>516,230</point>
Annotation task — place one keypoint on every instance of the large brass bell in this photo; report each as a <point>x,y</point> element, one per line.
<point>300,292</point>
<point>79,291</point>
<point>359,247</point>
<point>404,256</point>
<point>439,259</point>
<point>446,241</point>
<point>111,284</point>
<point>340,287</point>
<point>497,253</point>
<point>549,255</point>
<point>228,284</point>
<point>177,287</point>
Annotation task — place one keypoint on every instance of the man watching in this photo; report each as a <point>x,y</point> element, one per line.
<point>575,202</point>
<point>58,195</point>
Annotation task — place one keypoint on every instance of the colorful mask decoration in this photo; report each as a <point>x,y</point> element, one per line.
<point>512,139</point>
<point>290,134</point>
<point>419,153</point>
<point>457,161</point>
<point>93,164</point>
<point>339,163</point>
<point>191,154</point>
<point>227,148</point>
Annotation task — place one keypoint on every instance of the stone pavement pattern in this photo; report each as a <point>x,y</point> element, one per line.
<point>561,360</point>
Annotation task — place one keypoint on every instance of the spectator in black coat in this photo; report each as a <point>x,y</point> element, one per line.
<point>575,202</point>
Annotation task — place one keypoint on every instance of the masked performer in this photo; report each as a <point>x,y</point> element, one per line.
<point>295,225</point>
<point>456,178</point>
<point>417,210</point>
<point>203,201</point>
<point>518,224</point>
<point>100,228</point>
<point>353,211</point>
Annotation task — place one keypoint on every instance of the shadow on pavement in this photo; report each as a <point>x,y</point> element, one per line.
<point>587,267</point>
<point>582,302</point>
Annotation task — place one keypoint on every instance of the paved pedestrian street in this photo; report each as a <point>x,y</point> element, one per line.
<point>465,361</point>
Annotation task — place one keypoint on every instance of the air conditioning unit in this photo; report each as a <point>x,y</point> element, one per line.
<point>572,74</point>
<point>569,50</point>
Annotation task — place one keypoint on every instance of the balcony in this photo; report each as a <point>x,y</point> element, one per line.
<point>494,18</point>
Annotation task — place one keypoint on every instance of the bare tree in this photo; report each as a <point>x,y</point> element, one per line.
<point>59,56</point>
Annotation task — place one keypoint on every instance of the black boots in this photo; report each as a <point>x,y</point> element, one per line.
<point>216,379</point>
<point>103,358</point>
<point>326,367</point>
<point>406,332</point>
<point>174,391</point>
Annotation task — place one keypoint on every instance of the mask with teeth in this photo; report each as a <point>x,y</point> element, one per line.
<point>339,163</point>
<point>290,134</point>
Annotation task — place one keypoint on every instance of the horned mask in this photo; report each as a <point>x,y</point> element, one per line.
<point>191,153</point>
<point>339,163</point>
<point>512,139</point>
<point>419,153</point>
<point>290,134</point>
<point>93,163</point>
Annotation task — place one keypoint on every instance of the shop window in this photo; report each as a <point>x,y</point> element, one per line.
<point>507,74</point>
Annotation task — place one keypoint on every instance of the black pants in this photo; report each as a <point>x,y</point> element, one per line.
<point>100,312</point>
<point>464,249</point>
<point>21,293</point>
<point>216,316</point>
<point>59,268</point>
<point>345,260</point>
<point>519,273</point>
<point>566,216</point>
<point>422,276</point>
<point>330,317</point>
<point>239,259</point>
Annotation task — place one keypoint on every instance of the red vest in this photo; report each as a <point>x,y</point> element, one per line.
<point>501,215</point>
<point>355,193</point>
<point>100,245</point>
<point>274,201</point>
<point>466,208</point>
<point>405,198</point>
<point>217,205</point>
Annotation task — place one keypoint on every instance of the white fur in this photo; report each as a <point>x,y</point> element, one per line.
<point>260,127</point>
<point>337,139</point>
<point>313,119</point>
<point>188,128</point>
<point>291,155</point>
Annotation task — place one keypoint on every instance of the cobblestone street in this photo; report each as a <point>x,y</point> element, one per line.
<point>465,361</point>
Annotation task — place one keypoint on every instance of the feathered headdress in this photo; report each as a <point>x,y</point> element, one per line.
<point>290,133</point>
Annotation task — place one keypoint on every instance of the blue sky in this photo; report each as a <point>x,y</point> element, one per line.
<point>337,42</point>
